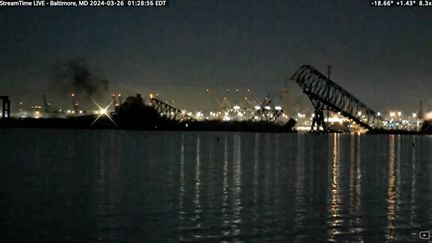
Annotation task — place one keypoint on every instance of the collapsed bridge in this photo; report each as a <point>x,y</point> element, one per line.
<point>326,95</point>
<point>169,112</point>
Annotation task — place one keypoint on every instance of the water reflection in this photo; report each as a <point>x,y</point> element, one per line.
<point>197,187</point>
<point>391,191</point>
<point>162,187</point>
<point>237,173</point>
<point>181,209</point>
<point>300,201</point>
<point>355,176</point>
<point>413,184</point>
<point>335,195</point>
<point>225,188</point>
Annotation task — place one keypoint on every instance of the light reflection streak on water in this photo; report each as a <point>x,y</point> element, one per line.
<point>226,193</point>
<point>335,201</point>
<point>355,186</point>
<point>300,184</point>
<point>255,185</point>
<point>237,205</point>
<point>391,190</point>
<point>197,188</point>
<point>352,163</point>
<point>276,178</point>
<point>413,185</point>
<point>181,186</point>
<point>358,182</point>
<point>267,169</point>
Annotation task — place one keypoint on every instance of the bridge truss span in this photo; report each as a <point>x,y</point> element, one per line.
<point>326,95</point>
<point>168,111</point>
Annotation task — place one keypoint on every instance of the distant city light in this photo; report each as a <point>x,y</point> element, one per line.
<point>257,107</point>
<point>278,108</point>
<point>335,119</point>
<point>300,115</point>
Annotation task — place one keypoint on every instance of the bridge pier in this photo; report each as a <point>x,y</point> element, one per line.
<point>319,121</point>
<point>5,106</point>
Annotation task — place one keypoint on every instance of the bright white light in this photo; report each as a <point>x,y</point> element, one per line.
<point>414,115</point>
<point>399,113</point>
<point>278,108</point>
<point>359,113</point>
<point>236,107</point>
<point>257,107</point>
<point>335,119</point>
<point>392,114</point>
<point>379,113</point>
<point>267,107</point>
<point>103,111</point>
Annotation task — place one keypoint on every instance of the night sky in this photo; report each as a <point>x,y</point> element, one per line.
<point>383,56</point>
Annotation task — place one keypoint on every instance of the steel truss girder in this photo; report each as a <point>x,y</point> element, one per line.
<point>167,111</point>
<point>266,115</point>
<point>324,94</point>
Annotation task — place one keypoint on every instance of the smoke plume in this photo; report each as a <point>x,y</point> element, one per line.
<point>76,76</point>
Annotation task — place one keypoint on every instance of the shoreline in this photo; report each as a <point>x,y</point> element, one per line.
<point>91,123</point>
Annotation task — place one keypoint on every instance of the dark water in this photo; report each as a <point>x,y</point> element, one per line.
<point>117,186</point>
